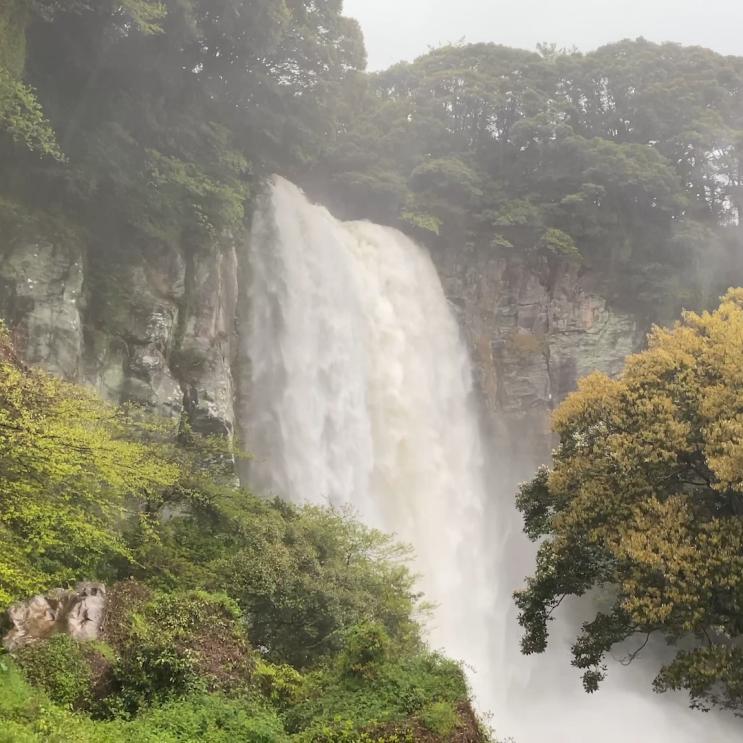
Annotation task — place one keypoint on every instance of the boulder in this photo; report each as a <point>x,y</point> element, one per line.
<point>77,613</point>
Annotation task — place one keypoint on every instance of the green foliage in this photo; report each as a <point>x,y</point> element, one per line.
<point>13,20</point>
<point>181,644</point>
<point>440,718</point>
<point>558,242</point>
<point>21,117</point>
<point>449,178</point>
<point>422,221</point>
<point>279,684</point>
<point>168,113</point>
<point>644,499</point>
<point>67,471</point>
<point>560,153</point>
<point>368,693</point>
<point>300,575</point>
<point>15,702</point>
<point>209,718</point>
<point>20,113</point>
<point>365,650</point>
<point>335,650</point>
<point>60,668</point>
<point>338,703</point>
<point>28,716</point>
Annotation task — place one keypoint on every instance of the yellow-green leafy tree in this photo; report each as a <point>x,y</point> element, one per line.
<point>69,473</point>
<point>645,501</point>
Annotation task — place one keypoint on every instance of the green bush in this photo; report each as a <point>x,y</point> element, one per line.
<point>365,651</point>
<point>15,694</point>
<point>211,718</point>
<point>60,668</point>
<point>180,644</point>
<point>402,687</point>
<point>279,684</point>
<point>440,718</point>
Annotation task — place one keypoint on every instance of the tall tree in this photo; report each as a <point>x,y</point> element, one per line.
<point>167,113</point>
<point>644,501</point>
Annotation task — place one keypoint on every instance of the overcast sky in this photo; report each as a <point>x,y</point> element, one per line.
<point>404,29</point>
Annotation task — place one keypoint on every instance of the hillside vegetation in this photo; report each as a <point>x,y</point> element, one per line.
<point>133,128</point>
<point>229,617</point>
<point>627,159</point>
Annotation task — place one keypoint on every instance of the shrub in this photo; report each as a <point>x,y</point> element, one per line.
<point>440,718</point>
<point>401,687</point>
<point>60,668</point>
<point>210,718</point>
<point>365,650</point>
<point>279,684</point>
<point>180,644</point>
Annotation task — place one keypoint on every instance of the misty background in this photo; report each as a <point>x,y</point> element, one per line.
<point>398,30</point>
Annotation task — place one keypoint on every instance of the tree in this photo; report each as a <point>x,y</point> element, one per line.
<point>169,113</point>
<point>645,501</point>
<point>69,473</point>
<point>301,575</point>
<point>498,148</point>
<point>21,117</point>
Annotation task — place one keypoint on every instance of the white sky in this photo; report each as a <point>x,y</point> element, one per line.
<point>404,29</point>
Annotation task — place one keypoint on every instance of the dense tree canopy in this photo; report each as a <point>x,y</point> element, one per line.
<point>645,500</point>
<point>627,157</point>
<point>165,112</point>
<point>135,124</point>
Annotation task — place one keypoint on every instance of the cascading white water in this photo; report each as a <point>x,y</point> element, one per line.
<point>361,393</point>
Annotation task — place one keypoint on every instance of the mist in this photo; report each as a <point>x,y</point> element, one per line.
<point>280,339</point>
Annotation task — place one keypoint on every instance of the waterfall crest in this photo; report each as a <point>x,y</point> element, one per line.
<point>361,393</point>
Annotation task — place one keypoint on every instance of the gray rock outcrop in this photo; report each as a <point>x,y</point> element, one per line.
<point>77,613</point>
<point>534,330</point>
<point>156,331</point>
<point>40,298</point>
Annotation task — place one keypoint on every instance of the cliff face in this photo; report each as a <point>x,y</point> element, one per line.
<point>159,334</point>
<point>534,330</point>
<point>162,334</point>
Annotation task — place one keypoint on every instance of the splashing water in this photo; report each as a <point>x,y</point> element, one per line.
<point>361,393</point>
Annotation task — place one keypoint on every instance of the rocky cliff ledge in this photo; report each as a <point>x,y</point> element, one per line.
<point>534,330</point>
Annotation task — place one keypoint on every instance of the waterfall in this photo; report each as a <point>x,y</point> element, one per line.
<point>361,393</point>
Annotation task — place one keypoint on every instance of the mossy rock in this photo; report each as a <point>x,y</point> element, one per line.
<point>525,344</point>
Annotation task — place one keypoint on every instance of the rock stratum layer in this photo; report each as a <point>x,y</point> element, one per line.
<point>533,331</point>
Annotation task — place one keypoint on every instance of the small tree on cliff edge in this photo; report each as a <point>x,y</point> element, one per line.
<point>645,499</point>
